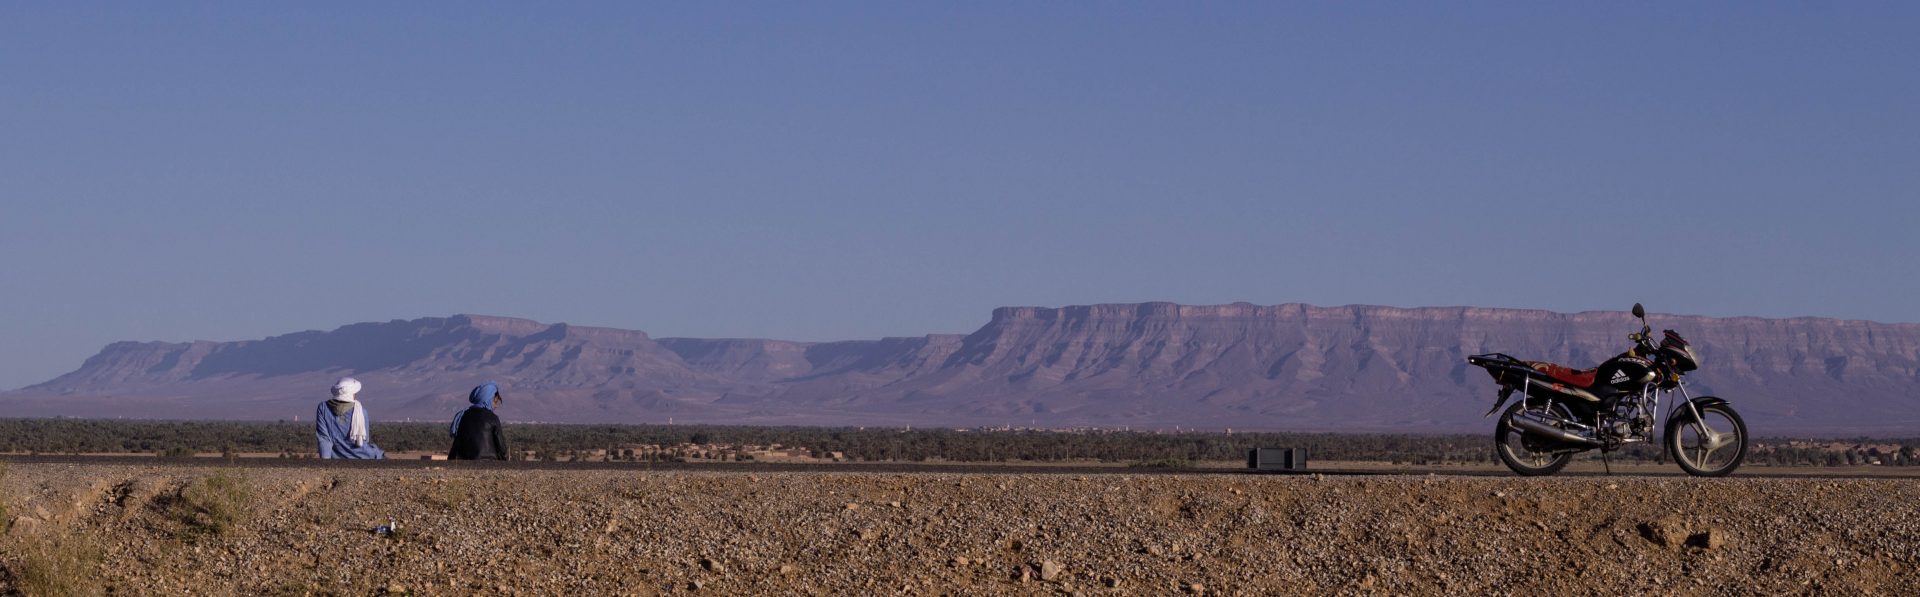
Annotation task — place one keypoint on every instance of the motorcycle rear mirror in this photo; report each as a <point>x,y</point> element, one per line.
<point>1639,311</point>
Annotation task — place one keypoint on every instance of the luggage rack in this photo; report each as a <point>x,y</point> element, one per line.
<point>1501,363</point>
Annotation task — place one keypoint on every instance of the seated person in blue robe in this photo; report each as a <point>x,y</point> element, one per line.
<point>341,425</point>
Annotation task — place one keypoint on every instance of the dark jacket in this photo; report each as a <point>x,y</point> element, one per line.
<point>479,437</point>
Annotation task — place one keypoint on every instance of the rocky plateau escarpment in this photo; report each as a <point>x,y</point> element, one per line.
<point>1354,368</point>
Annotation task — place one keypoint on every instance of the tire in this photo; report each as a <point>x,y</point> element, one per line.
<point>1527,457</point>
<point>1684,446</point>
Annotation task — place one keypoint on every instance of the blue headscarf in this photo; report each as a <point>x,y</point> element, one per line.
<point>482,396</point>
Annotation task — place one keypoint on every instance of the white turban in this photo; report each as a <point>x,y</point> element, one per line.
<point>343,391</point>
<point>346,388</point>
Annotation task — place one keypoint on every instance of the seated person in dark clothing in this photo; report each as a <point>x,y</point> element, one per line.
<point>476,430</point>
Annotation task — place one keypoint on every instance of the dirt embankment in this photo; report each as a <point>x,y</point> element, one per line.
<point>171,530</point>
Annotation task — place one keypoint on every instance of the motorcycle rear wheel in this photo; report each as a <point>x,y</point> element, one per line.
<point>1693,448</point>
<point>1526,455</point>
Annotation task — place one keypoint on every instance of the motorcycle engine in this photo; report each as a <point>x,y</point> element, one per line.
<point>1629,421</point>
<point>1643,425</point>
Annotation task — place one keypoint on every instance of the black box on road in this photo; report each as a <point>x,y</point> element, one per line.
<point>1277,459</point>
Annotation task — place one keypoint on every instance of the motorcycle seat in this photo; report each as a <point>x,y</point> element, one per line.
<point>1582,378</point>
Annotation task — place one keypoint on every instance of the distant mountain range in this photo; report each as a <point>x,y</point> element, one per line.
<point>1149,365</point>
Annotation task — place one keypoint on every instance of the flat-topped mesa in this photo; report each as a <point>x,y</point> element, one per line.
<point>1457,326</point>
<point>527,329</point>
<point>131,363</point>
<point>1606,328</point>
<point>528,351</point>
<point>508,326</point>
<point>1295,311</point>
<point>1349,367</point>
<point>1129,311</point>
<point>1285,311</point>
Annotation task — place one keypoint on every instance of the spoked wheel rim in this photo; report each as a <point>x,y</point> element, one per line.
<point>1712,443</point>
<point>1526,450</point>
<point>1523,453</point>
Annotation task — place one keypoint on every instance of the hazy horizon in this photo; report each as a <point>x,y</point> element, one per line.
<point>1654,315</point>
<point>859,170</point>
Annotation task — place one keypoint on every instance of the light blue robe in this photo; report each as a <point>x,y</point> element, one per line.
<point>332,432</point>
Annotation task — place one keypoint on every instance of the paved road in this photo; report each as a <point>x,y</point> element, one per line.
<point>878,467</point>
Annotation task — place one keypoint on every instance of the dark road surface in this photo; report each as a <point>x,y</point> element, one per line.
<point>878,467</point>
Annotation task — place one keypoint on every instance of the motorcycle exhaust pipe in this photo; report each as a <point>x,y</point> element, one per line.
<point>1539,427</point>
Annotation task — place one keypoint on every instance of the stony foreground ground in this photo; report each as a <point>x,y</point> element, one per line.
<point>163,529</point>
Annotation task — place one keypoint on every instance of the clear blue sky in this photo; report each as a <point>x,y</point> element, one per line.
<point>828,170</point>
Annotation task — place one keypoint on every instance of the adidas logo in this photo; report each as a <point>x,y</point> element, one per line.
<point>1619,376</point>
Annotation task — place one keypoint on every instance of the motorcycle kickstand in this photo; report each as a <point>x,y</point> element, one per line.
<point>1607,462</point>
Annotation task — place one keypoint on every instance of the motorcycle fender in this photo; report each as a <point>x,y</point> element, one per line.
<point>1709,401</point>
<point>1506,392</point>
<point>1698,403</point>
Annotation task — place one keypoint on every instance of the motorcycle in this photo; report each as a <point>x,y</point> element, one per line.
<point>1563,411</point>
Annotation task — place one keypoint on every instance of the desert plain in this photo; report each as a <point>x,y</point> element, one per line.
<point>172,529</point>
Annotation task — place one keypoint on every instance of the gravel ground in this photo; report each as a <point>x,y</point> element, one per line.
<point>162,529</point>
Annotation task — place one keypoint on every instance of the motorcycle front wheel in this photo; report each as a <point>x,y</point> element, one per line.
<point>1527,455</point>
<point>1712,446</point>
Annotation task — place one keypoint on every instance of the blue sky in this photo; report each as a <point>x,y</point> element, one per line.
<point>834,170</point>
